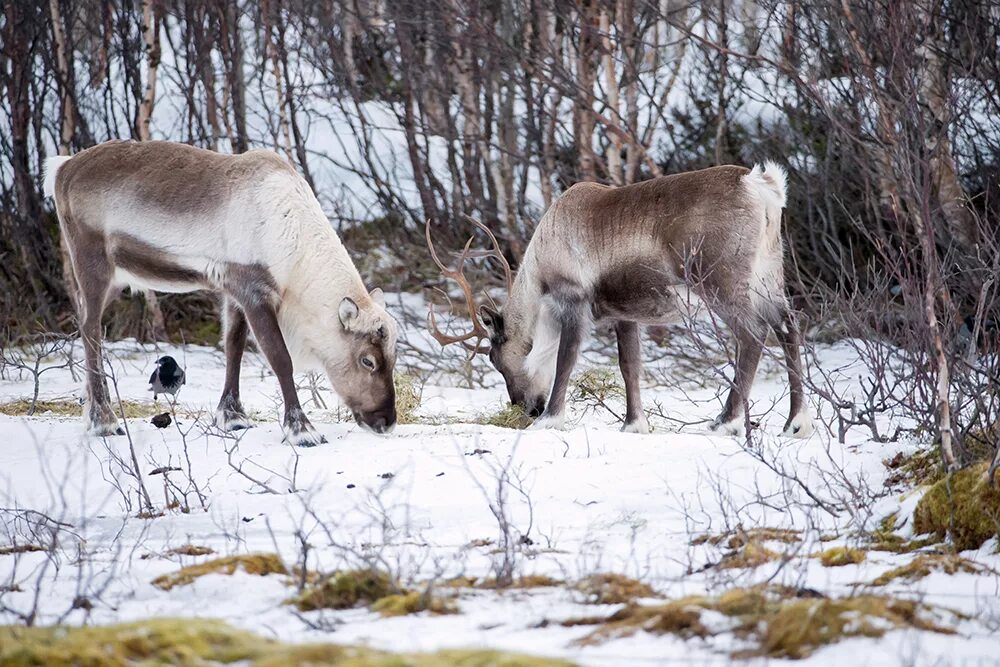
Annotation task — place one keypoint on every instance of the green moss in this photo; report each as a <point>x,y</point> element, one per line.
<point>407,398</point>
<point>840,556</point>
<point>885,538</point>
<point>613,589</point>
<point>512,416</point>
<point>962,506</point>
<point>924,564</point>
<point>403,604</point>
<point>259,564</point>
<point>347,589</point>
<point>199,642</point>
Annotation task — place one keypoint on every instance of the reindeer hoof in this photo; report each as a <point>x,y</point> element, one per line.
<point>105,430</point>
<point>735,426</point>
<point>544,422</point>
<point>800,425</point>
<point>640,426</point>
<point>230,421</point>
<point>308,438</point>
<point>299,432</point>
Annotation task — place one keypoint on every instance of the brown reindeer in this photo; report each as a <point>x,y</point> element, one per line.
<point>617,254</point>
<point>173,218</point>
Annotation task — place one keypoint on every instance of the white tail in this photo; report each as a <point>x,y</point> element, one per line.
<point>52,166</point>
<point>771,179</point>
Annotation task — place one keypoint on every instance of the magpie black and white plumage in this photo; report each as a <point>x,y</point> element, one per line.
<point>168,377</point>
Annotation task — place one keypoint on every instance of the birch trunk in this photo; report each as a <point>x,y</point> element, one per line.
<point>151,41</point>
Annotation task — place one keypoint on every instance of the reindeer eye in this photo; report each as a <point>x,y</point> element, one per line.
<point>368,363</point>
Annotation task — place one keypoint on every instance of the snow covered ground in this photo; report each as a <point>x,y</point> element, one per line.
<point>422,503</point>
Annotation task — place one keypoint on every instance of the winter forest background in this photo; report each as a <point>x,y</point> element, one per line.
<point>886,113</point>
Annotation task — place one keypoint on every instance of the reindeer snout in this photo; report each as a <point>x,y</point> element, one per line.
<point>379,421</point>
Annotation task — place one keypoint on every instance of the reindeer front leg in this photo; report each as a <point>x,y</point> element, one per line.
<point>264,323</point>
<point>630,363</point>
<point>570,337</point>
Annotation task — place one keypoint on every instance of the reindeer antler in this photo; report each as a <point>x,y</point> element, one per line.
<point>479,331</point>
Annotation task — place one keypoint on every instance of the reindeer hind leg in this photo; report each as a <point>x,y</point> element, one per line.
<point>800,421</point>
<point>94,294</point>
<point>230,416</point>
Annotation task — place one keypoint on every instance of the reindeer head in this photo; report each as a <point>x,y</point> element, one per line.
<point>509,344</point>
<point>363,373</point>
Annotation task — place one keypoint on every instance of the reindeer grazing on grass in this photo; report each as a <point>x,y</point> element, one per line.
<point>616,254</point>
<point>173,218</point>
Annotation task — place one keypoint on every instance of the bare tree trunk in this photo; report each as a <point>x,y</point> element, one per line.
<point>151,40</point>
<point>630,47</point>
<point>271,51</point>
<point>67,129</point>
<point>234,93</point>
<point>583,110</point>
<point>721,124</point>
<point>614,151</point>
<point>935,89</point>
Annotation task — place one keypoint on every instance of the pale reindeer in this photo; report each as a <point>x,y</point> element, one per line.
<point>174,218</point>
<point>618,254</point>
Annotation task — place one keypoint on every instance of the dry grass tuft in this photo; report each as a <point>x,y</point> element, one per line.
<point>512,416</point>
<point>259,564</point>
<point>597,383</point>
<point>840,556</point>
<point>347,589</point>
<point>190,550</point>
<point>71,408</point>
<point>924,564</point>
<point>751,555</point>
<point>781,622</point>
<point>613,589</point>
<point>403,604</point>
<point>525,582</point>
<point>193,641</point>
<point>407,398</point>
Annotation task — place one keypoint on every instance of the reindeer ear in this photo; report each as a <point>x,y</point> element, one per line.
<point>348,312</point>
<point>492,320</point>
<point>378,296</point>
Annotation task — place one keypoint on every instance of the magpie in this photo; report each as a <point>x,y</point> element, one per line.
<point>167,378</point>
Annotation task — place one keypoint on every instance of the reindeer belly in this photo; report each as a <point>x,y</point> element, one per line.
<point>144,266</point>
<point>637,292</point>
